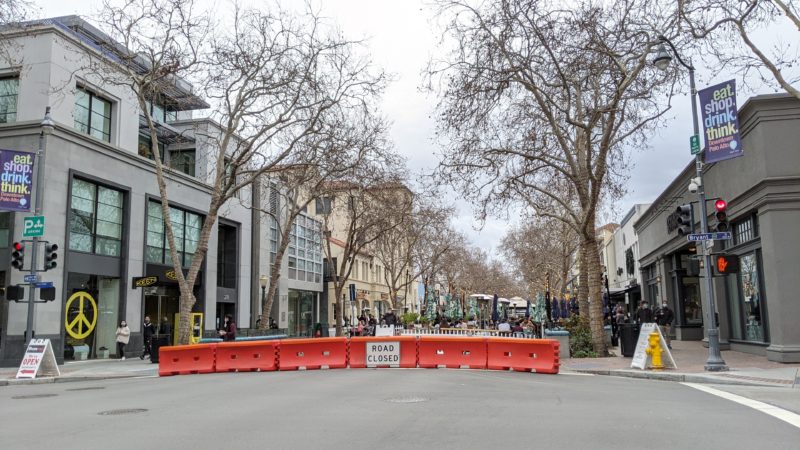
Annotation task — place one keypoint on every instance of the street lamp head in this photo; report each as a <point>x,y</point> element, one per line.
<point>263,281</point>
<point>663,57</point>
<point>47,123</point>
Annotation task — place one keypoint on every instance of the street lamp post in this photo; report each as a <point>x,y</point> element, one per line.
<point>715,362</point>
<point>262,281</point>
<point>47,128</point>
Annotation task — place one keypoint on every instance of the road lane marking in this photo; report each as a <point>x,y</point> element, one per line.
<point>774,411</point>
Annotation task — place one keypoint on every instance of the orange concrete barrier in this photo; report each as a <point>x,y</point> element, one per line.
<point>316,353</point>
<point>523,355</point>
<point>452,352</point>
<point>186,359</point>
<point>384,351</point>
<point>249,356</point>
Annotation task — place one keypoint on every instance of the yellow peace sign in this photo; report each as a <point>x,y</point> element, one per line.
<point>81,326</point>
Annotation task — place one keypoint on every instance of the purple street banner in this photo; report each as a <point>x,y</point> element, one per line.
<point>720,122</point>
<point>16,180</point>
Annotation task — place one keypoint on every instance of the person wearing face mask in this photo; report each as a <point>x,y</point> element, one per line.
<point>123,336</point>
<point>228,331</point>
<point>664,318</point>
<point>148,330</point>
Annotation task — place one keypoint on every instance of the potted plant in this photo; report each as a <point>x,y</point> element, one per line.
<point>424,321</point>
<point>409,319</point>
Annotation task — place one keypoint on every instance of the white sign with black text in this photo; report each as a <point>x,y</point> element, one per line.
<point>383,354</point>
<point>641,360</point>
<point>39,360</point>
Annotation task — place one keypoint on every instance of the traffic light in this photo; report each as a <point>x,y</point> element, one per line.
<point>47,294</point>
<point>14,292</point>
<point>50,256</point>
<point>685,222</point>
<point>726,264</point>
<point>721,215</point>
<point>18,255</point>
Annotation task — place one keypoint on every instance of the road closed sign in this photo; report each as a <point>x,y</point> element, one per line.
<point>383,354</point>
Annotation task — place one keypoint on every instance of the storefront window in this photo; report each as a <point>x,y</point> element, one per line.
<point>92,313</point>
<point>301,307</point>
<point>692,304</point>
<point>747,301</point>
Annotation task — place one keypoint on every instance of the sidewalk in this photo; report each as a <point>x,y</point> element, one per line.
<point>690,357</point>
<point>97,369</point>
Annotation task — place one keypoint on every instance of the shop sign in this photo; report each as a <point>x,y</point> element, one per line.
<point>383,354</point>
<point>16,174</point>
<point>166,275</point>
<point>80,326</point>
<point>39,360</point>
<point>144,281</point>
<point>720,122</point>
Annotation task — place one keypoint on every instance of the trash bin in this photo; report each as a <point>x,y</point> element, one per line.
<point>628,336</point>
<point>157,341</point>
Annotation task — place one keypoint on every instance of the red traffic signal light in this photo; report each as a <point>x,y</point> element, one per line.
<point>721,205</point>
<point>18,247</point>
<point>18,255</point>
<point>726,264</point>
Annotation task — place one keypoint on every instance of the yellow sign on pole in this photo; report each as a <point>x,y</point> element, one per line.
<point>80,326</point>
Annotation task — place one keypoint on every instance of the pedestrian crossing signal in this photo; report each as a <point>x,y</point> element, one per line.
<point>726,264</point>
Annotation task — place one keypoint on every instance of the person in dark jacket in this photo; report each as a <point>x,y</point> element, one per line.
<point>644,314</point>
<point>664,318</point>
<point>148,330</point>
<point>390,318</point>
<point>228,331</point>
<point>166,329</point>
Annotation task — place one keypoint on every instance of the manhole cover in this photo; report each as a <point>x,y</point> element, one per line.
<point>88,388</point>
<point>407,400</point>
<point>120,412</point>
<point>20,397</point>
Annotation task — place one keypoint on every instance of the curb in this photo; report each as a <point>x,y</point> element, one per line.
<point>674,377</point>
<point>50,380</point>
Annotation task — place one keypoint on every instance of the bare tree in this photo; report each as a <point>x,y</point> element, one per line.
<point>334,155</point>
<point>535,97</point>
<point>400,249</point>
<point>731,35</point>
<point>275,80</point>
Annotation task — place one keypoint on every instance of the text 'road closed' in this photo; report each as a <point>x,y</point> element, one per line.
<point>383,354</point>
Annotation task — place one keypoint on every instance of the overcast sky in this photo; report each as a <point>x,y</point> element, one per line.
<point>401,39</point>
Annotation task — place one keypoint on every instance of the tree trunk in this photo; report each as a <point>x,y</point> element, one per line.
<point>274,278</point>
<point>583,281</point>
<point>340,306</point>
<point>595,286</point>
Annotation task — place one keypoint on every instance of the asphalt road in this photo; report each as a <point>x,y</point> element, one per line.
<point>377,409</point>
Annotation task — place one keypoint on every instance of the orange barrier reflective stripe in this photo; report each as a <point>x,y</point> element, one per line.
<point>186,359</point>
<point>523,355</point>
<point>383,352</point>
<point>314,353</point>
<point>247,356</point>
<point>452,352</point>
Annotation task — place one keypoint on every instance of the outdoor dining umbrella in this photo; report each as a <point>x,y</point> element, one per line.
<point>495,315</point>
<point>564,309</point>
<point>527,308</point>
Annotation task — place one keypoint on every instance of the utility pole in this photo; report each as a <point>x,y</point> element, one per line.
<point>38,200</point>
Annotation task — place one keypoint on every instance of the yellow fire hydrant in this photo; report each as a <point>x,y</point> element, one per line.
<point>654,349</point>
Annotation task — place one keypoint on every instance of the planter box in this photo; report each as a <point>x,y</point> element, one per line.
<point>81,352</point>
<point>102,354</point>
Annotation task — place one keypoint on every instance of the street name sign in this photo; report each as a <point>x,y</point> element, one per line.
<point>30,278</point>
<point>39,360</point>
<point>33,226</point>
<point>718,236</point>
<point>383,354</point>
<point>43,284</point>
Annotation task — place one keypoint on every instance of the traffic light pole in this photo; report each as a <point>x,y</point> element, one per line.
<point>38,200</point>
<point>714,363</point>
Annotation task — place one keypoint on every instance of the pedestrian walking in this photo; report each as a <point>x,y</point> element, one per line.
<point>148,330</point>
<point>619,314</point>
<point>664,318</point>
<point>228,330</point>
<point>123,336</point>
<point>644,314</point>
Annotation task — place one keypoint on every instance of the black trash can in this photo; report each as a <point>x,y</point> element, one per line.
<point>628,336</point>
<point>156,342</point>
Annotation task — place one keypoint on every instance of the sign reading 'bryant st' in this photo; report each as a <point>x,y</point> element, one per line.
<point>383,354</point>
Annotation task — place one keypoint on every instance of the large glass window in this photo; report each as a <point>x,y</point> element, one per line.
<point>305,250</point>
<point>146,148</point>
<point>8,99</point>
<point>183,160</point>
<point>226,256</point>
<point>5,227</point>
<point>161,113</point>
<point>95,223</point>
<point>747,301</point>
<point>92,115</point>
<point>185,228</point>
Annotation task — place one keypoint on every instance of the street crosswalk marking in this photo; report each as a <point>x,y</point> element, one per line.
<point>774,411</point>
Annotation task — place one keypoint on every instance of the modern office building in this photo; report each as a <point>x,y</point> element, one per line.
<point>757,307</point>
